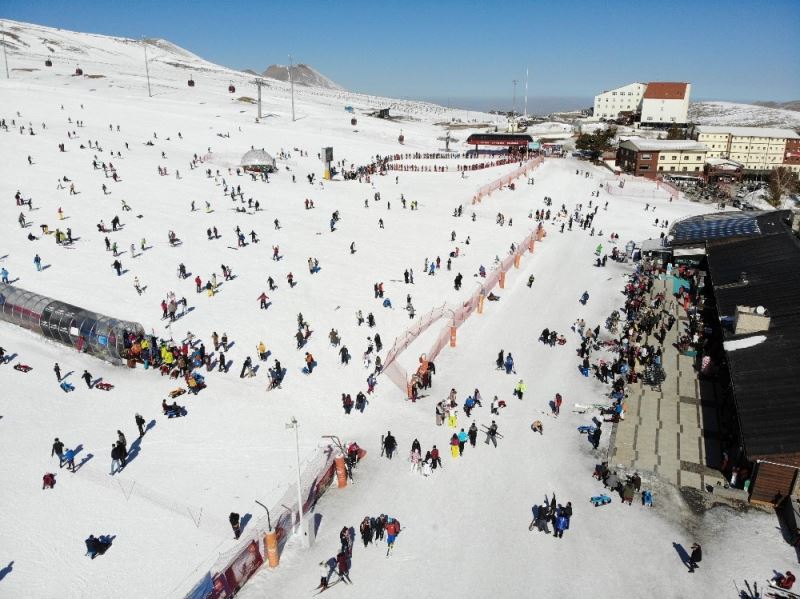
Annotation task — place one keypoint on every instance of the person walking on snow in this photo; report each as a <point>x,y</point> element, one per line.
<point>140,424</point>
<point>473,434</point>
<point>57,370</point>
<point>389,444</point>
<point>263,299</point>
<point>88,378</point>
<point>509,364</point>
<point>491,434</point>
<point>234,520</point>
<point>58,450</point>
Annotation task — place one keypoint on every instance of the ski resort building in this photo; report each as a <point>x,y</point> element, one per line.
<point>653,157</point>
<point>665,104</point>
<point>759,149</point>
<point>628,98</point>
<point>749,360</point>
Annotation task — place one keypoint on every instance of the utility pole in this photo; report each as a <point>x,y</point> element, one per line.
<point>514,101</point>
<point>291,83</point>
<point>526,92</point>
<point>146,68</point>
<point>5,56</point>
<point>293,424</point>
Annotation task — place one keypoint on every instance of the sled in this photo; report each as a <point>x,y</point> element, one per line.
<point>789,594</point>
<point>600,500</point>
<point>173,414</point>
<point>104,386</point>
<point>23,367</point>
<point>67,387</point>
<point>177,392</point>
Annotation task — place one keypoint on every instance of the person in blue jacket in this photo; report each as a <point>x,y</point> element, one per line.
<point>509,364</point>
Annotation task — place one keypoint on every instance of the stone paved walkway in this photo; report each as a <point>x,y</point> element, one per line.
<point>665,430</point>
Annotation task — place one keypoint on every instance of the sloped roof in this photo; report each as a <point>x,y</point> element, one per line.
<point>749,131</point>
<point>659,90</point>
<point>765,377</point>
<point>724,226</point>
<point>655,145</point>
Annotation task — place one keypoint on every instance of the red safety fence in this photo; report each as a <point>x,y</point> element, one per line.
<point>524,169</point>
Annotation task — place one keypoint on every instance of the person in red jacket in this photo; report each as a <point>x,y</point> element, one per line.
<point>263,299</point>
<point>392,530</point>
<point>435,459</point>
<point>344,568</point>
<point>785,581</point>
<point>198,283</point>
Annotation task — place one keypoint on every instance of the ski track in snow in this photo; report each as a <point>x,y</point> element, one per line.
<point>465,528</point>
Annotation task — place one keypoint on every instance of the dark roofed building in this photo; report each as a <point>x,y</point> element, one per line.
<point>696,232</point>
<point>755,276</point>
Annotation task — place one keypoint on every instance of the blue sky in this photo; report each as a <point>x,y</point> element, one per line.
<point>732,50</point>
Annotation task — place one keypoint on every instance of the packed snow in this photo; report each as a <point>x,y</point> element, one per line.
<point>465,528</point>
<point>749,115</point>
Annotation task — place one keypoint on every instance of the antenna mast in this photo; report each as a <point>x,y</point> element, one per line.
<point>146,68</point>
<point>291,83</point>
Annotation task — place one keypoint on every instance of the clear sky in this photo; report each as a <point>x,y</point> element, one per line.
<point>736,50</point>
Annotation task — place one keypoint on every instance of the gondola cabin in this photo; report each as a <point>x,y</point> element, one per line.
<point>231,88</point>
<point>48,63</point>
<point>353,122</point>
<point>79,71</point>
<point>190,83</point>
<point>401,138</point>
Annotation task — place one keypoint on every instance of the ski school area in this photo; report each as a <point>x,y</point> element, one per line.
<point>186,411</point>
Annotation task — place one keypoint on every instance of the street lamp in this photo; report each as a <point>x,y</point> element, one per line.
<point>293,424</point>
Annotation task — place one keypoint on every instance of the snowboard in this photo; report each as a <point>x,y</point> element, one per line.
<point>786,592</point>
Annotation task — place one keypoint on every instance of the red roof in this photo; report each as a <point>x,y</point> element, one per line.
<point>658,90</point>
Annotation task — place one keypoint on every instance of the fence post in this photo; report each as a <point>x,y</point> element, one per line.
<point>271,543</point>
<point>453,336</point>
<point>480,303</point>
<point>516,261</point>
<point>531,243</point>
<point>502,280</point>
<point>341,471</point>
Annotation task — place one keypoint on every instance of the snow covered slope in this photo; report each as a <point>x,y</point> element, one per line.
<point>731,113</point>
<point>302,74</point>
<point>466,527</point>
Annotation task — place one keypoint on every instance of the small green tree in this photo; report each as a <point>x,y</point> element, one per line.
<point>675,132</point>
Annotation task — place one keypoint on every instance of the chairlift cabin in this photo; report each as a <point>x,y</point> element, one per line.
<point>190,83</point>
<point>48,63</point>
<point>401,138</point>
<point>231,88</point>
<point>353,122</point>
<point>79,71</point>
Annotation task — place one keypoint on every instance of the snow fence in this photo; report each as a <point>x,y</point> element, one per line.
<point>235,567</point>
<point>643,188</point>
<point>457,315</point>
<point>524,169</point>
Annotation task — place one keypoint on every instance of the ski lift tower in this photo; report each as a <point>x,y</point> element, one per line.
<point>259,83</point>
<point>447,139</point>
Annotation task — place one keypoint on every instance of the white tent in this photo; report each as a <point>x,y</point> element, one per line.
<point>258,160</point>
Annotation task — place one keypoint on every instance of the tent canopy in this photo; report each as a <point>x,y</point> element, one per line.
<point>258,160</point>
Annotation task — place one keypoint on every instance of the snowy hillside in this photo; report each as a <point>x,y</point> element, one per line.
<point>302,74</point>
<point>86,149</point>
<point>731,113</point>
<point>109,62</point>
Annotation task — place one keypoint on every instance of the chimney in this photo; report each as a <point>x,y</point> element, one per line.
<point>750,320</point>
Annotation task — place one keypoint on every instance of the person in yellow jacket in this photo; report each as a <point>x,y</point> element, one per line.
<point>520,388</point>
<point>262,351</point>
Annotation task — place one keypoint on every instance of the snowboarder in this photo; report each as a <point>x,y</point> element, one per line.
<point>695,557</point>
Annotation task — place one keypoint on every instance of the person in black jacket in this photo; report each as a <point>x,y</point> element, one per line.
<point>695,557</point>
<point>234,520</point>
<point>389,444</point>
<point>140,424</point>
<point>116,455</point>
<point>88,378</point>
<point>58,449</point>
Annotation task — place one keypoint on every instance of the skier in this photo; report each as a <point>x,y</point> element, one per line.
<point>392,530</point>
<point>246,367</point>
<point>344,569</point>
<point>491,434</point>
<point>234,520</point>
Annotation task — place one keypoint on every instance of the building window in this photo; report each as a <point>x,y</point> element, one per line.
<point>672,168</point>
<point>661,168</point>
<point>613,93</point>
<point>674,157</point>
<point>644,167</point>
<point>685,169</point>
<point>649,118</point>
<point>699,158</point>
<point>646,156</point>
<point>697,168</point>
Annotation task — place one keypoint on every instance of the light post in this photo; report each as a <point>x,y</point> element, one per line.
<point>146,67</point>
<point>293,424</point>
<point>291,83</point>
<point>5,56</point>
